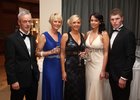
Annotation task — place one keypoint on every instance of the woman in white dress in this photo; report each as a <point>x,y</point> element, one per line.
<point>97,42</point>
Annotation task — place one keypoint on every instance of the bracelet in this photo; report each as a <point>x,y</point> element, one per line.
<point>52,51</point>
<point>41,53</point>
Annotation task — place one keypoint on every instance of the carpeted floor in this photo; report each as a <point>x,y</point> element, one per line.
<point>5,93</point>
<point>4,88</point>
<point>3,82</point>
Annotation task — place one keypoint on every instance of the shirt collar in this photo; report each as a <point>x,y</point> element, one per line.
<point>118,29</point>
<point>24,32</point>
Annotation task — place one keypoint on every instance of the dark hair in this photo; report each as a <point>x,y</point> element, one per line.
<point>101,20</point>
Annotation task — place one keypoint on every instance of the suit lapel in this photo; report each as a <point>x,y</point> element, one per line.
<point>23,45</point>
<point>117,37</point>
<point>110,34</point>
<point>32,45</point>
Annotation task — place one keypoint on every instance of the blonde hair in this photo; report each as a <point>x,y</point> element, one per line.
<point>72,18</point>
<point>55,16</point>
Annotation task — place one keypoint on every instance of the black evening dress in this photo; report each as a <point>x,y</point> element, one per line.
<point>75,69</point>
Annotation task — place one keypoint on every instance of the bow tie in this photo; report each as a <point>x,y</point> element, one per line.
<point>24,35</point>
<point>115,30</point>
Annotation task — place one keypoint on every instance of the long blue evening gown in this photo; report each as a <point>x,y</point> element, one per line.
<point>52,84</point>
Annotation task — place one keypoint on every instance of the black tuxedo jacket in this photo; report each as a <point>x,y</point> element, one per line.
<point>20,66</point>
<point>122,55</point>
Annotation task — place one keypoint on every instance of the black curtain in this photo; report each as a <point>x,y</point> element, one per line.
<point>84,8</point>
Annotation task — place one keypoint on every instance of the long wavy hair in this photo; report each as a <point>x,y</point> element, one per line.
<point>101,20</point>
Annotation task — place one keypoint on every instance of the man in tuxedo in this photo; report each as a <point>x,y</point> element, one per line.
<point>121,57</point>
<point>21,65</point>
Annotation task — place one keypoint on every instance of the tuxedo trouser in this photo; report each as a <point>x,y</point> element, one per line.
<point>30,93</point>
<point>117,92</point>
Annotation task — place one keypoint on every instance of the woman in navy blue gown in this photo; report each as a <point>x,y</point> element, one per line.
<point>48,47</point>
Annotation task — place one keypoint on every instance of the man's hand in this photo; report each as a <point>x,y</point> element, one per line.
<point>106,75</point>
<point>122,83</point>
<point>15,86</point>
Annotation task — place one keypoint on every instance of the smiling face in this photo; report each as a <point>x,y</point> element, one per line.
<point>94,22</point>
<point>116,21</point>
<point>76,23</point>
<point>56,23</point>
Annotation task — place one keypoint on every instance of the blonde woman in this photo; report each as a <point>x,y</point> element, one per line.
<point>48,47</point>
<point>73,68</point>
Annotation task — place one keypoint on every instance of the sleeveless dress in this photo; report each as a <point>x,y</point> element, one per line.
<point>75,69</point>
<point>52,84</point>
<point>94,86</point>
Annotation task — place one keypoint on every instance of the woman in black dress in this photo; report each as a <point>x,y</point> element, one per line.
<point>73,68</point>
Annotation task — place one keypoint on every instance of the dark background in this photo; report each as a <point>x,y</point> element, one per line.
<point>8,16</point>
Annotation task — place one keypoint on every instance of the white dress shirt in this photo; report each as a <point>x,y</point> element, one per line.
<point>114,34</point>
<point>27,42</point>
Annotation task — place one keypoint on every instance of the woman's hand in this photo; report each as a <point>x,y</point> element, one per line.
<point>102,75</point>
<point>64,76</point>
<point>39,54</point>
<point>55,50</point>
<point>82,54</point>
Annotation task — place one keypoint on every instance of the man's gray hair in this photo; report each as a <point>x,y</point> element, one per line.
<point>23,12</point>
